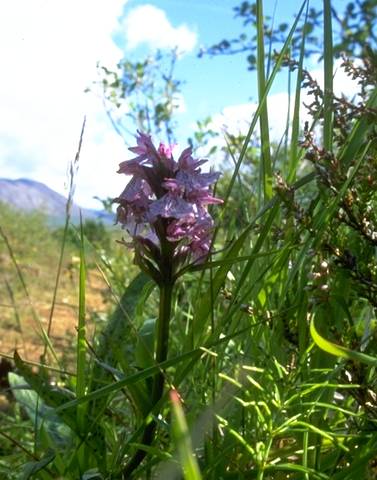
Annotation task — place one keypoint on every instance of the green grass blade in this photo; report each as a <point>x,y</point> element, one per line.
<point>30,469</point>
<point>204,306</point>
<point>359,463</point>
<point>81,384</point>
<point>262,101</point>
<point>181,436</point>
<point>294,150</point>
<point>328,77</point>
<point>44,335</point>
<point>73,170</point>
<point>265,164</point>
<point>148,372</point>
<point>81,343</point>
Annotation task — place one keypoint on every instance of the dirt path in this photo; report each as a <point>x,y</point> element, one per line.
<point>19,329</point>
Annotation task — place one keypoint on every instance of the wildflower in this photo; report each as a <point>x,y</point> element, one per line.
<point>164,207</point>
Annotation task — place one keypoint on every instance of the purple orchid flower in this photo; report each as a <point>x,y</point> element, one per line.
<point>164,206</point>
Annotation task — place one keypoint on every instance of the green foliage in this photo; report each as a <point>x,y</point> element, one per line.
<point>28,231</point>
<point>27,257</point>
<point>354,32</point>
<point>272,343</point>
<point>142,94</point>
<point>95,232</point>
<point>181,436</point>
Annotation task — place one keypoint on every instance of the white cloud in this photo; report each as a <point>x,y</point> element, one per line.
<point>149,25</point>
<point>236,119</point>
<point>49,51</point>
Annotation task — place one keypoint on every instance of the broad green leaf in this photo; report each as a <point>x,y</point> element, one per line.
<point>338,350</point>
<point>115,338</point>
<point>38,412</point>
<point>145,344</point>
<point>116,345</point>
<point>53,396</point>
<point>57,397</point>
<point>31,468</point>
<point>92,474</point>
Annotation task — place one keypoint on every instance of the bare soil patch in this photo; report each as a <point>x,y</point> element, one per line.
<point>20,329</point>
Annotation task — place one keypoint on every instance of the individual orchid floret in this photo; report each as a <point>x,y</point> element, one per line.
<point>146,155</point>
<point>166,150</point>
<point>164,207</point>
<point>187,163</point>
<point>170,206</point>
<point>145,148</point>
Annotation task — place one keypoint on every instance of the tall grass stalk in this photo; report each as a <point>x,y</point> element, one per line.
<point>72,173</point>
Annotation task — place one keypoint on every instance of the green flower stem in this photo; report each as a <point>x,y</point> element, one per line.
<point>162,338</point>
<point>161,353</point>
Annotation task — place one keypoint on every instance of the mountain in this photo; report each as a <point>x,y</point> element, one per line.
<point>27,195</point>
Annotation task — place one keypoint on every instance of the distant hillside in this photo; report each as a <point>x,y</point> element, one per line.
<point>27,195</point>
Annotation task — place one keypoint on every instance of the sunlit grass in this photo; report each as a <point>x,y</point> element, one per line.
<point>293,270</point>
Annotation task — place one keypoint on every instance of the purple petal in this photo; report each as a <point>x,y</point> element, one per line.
<point>131,167</point>
<point>194,180</point>
<point>144,144</point>
<point>200,250</point>
<point>170,206</point>
<point>180,228</point>
<point>173,186</point>
<point>145,150</point>
<point>186,162</point>
<point>203,197</point>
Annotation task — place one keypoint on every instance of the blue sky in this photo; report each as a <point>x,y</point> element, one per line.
<point>49,51</point>
<point>217,81</point>
<point>212,83</point>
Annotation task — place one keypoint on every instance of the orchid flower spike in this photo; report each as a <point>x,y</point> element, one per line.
<point>164,207</point>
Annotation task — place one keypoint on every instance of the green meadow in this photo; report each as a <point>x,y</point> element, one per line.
<point>125,357</point>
